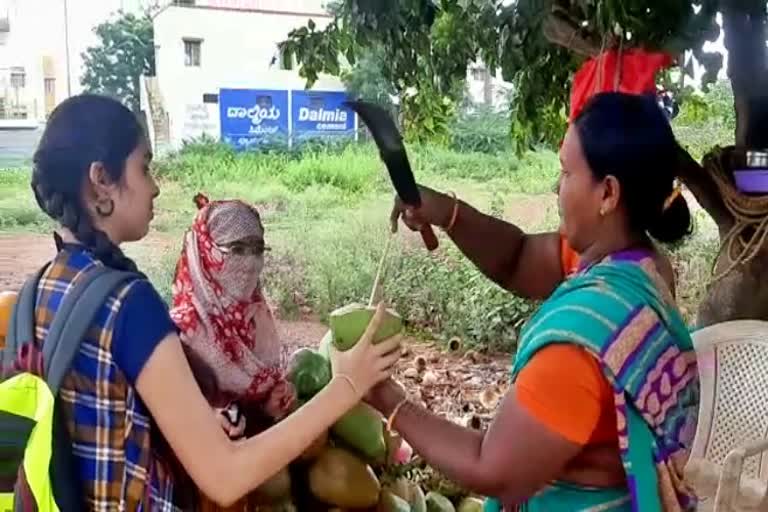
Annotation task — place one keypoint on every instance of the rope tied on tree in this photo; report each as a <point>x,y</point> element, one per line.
<point>750,215</point>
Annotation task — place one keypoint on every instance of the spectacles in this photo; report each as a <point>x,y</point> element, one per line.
<point>244,249</point>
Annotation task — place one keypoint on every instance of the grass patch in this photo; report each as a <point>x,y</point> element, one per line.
<point>18,209</point>
<point>326,214</point>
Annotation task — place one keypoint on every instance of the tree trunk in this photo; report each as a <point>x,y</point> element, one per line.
<point>743,293</point>
<point>745,38</point>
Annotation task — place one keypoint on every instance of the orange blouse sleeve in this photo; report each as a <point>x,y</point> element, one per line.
<point>568,257</point>
<point>563,387</point>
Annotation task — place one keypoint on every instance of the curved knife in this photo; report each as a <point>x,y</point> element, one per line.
<point>392,152</point>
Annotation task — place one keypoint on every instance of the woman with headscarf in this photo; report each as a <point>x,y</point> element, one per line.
<point>225,324</point>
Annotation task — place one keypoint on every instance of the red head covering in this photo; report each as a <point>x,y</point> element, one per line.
<point>630,71</point>
<point>226,326</point>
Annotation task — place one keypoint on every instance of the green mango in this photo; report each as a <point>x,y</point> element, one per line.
<point>339,478</point>
<point>349,323</point>
<point>309,372</point>
<point>436,502</point>
<point>470,505</point>
<point>362,429</point>
<point>391,502</point>
<point>417,500</point>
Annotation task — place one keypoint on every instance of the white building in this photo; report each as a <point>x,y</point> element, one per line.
<point>40,46</point>
<point>202,46</point>
<point>487,88</point>
<point>29,69</point>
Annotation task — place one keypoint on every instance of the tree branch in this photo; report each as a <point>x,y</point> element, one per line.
<point>563,32</point>
<point>745,35</point>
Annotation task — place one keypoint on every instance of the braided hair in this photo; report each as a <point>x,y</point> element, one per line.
<point>82,130</point>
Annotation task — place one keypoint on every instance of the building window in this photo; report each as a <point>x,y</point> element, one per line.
<point>478,74</point>
<point>18,78</point>
<point>192,51</point>
<point>50,86</point>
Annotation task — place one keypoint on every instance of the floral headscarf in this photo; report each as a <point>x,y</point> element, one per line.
<point>226,327</point>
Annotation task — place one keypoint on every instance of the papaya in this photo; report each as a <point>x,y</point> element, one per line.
<point>362,429</point>
<point>339,478</point>
<point>391,502</point>
<point>436,502</point>
<point>417,499</point>
<point>276,489</point>
<point>349,323</point>
<point>309,372</point>
<point>470,504</point>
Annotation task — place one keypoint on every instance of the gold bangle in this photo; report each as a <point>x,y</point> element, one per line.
<point>672,197</point>
<point>391,419</point>
<point>350,382</point>
<point>454,214</point>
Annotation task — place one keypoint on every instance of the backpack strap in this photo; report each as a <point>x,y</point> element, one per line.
<point>74,318</point>
<point>21,327</point>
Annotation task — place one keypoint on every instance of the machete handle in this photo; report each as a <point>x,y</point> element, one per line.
<point>429,238</point>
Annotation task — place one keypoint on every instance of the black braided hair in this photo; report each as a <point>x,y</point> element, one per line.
<point>81,130</point>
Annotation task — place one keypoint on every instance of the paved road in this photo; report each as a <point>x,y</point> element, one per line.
<point>17,147</point>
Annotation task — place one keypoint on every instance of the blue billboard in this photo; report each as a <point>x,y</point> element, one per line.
<point>317,114</point>
<point>253,116</point>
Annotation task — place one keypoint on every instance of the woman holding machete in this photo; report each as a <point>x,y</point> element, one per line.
<point>528,265</point>
<point>604,402</point>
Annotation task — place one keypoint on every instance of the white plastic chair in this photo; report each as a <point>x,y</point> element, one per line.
<point>728,466</point>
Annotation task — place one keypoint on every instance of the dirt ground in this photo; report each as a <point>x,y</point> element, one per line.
<point>463,385</point>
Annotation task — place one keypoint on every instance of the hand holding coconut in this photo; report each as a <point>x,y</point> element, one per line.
<point>366,364</point>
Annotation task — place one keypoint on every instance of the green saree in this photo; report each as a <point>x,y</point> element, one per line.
<point>621,311</point>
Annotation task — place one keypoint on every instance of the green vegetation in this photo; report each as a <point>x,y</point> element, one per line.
<point>419,51</point>
<point>326,211</point>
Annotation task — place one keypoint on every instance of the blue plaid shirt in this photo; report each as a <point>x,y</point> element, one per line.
<point>113,437</point>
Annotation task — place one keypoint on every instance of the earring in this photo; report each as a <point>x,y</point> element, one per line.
<point>602,212</point>
<point>105,212</point>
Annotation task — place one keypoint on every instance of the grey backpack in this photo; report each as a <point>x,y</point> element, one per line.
<point>70,324</point>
